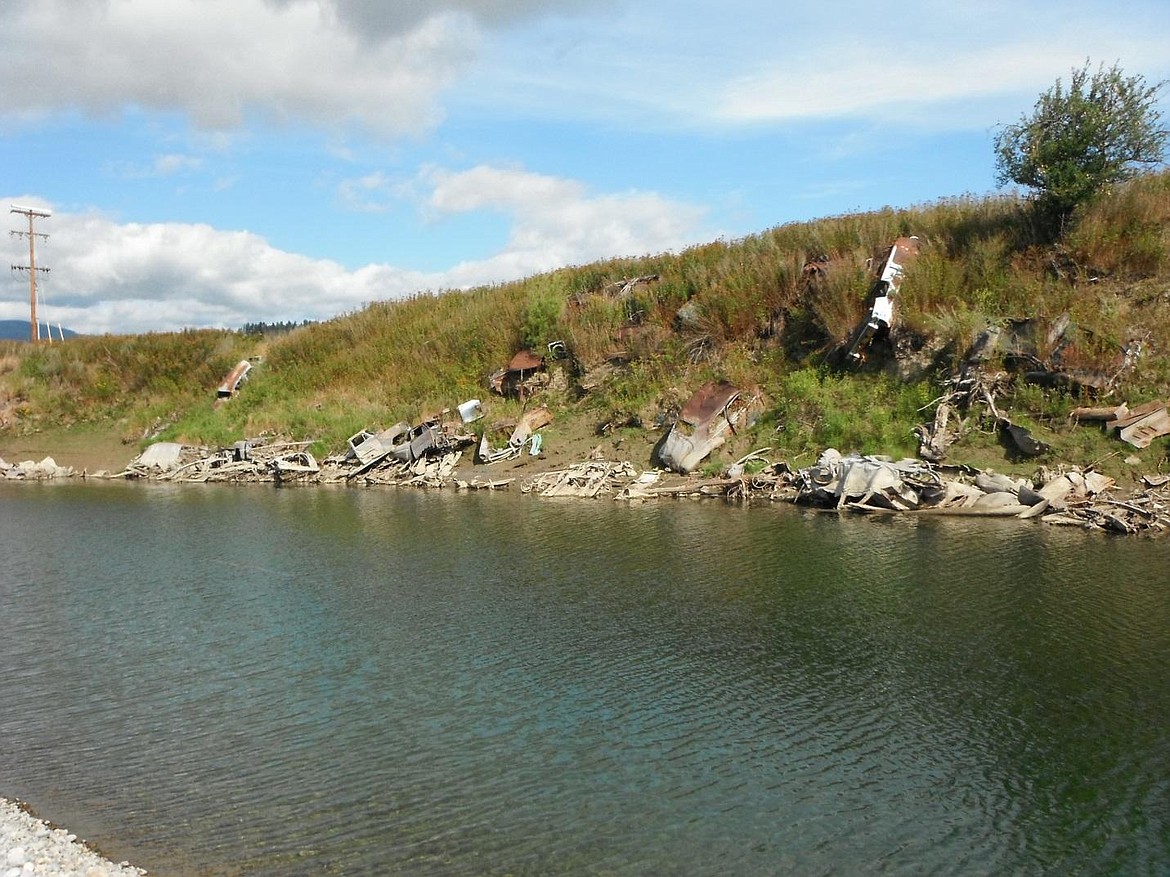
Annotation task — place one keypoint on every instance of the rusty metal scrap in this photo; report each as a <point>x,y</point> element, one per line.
<point>231,383</point>
<point>713,411</point>
<point>513,379</point>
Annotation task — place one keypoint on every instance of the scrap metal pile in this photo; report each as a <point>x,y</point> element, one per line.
<point>425,455</point>
<point>1065,496</point>
<point>420,456</point>
<point>245,461</point>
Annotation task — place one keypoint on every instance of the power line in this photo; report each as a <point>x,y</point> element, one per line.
<point>32,268</point>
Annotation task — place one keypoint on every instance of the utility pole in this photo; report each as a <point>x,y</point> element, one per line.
<point>32,213</point>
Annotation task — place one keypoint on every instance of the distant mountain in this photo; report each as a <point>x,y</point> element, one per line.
<point>17,330</point>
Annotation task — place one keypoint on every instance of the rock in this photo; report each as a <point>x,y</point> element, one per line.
<point>161,455</point>
<point>1096,483</point>
<point>997,500</point>
<point>994,482</point>
<point>29,847</point>
<point>689,316</point>
<point>1056,489</point>
<point>1028,495</point>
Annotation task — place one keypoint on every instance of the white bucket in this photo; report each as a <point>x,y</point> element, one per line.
<point>470,410</point>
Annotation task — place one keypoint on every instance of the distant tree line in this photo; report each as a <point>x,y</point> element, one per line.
<point>274,328</point>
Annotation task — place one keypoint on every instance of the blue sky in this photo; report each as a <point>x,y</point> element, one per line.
<point>216,162</point>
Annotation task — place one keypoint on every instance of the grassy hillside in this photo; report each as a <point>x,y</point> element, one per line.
<point>736,310</point>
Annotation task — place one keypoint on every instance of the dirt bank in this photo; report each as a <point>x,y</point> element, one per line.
<point>85,452</point>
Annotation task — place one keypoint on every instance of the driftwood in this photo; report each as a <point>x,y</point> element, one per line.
<point>482,484</point>
<point>589,479</point>
<point>1117,412</point>
<point>1136,426</point>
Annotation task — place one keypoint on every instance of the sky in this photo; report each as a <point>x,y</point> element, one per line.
<point>210,163</point>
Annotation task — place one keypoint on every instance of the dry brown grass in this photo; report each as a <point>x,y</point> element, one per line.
<point>730,309</point>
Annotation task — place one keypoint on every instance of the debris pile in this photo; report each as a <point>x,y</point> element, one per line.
<point>971,388</point>
<point>525,434</point>
<point>1138,426</point>
<point>873,484</point>
<point>716,410</point>
<point>253,460</point>
<point>403,452</point>
<point>1082,504</point>
<point>432,470</point>
<point>590,479</point>
<point>424,455</point>
<point>33,471</point>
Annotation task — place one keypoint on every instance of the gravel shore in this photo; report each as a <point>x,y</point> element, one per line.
<point>30,848</point>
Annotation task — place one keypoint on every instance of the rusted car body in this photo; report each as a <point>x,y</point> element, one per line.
<point>509,381</point>
<point>417,441</point>
<point>401,442</point>
<point>369,447</point>
<point>234,378</point>
<point>715,410</point>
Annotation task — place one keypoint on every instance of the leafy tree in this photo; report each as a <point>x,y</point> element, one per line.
<point>1078,140</point>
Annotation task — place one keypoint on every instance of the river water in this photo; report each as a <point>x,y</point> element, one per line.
<point>255,681</point>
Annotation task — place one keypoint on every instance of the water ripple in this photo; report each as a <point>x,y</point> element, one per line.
<point>289,682</point>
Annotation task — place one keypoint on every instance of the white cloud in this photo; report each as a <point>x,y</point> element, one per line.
<point>385,66</point>
<point>904,85</point>
<point>372,193</point>
<point>689,66</point>
<point>376,18</point>
<point>132,277</point>
<point>168,165</point>
<point>219,60</point>
<point>557,222</point>
<point>112,277</point>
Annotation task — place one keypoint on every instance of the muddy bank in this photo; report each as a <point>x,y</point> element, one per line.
<point>83,452</point>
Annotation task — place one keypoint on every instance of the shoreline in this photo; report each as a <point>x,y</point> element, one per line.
<point>1063,495</point>
<point>33,847</point>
